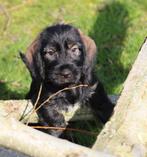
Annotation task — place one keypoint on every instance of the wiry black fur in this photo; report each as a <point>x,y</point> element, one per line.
<point>64,69</point>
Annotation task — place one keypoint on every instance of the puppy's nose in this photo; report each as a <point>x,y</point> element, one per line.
<point>66,73</point>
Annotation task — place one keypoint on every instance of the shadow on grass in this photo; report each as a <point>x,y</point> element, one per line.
<point>109,31</point>
<point>86,139</point>
<point>6,93</point>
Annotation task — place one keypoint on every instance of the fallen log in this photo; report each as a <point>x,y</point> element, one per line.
<point>17,136</point>
<point>19,108</point>
<point>125,135</point>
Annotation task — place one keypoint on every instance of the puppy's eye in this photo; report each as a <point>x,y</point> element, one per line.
<point>75,50</point>
<point>49,51</point>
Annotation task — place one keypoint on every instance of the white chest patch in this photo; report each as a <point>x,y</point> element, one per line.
<point>71,111</point>
<point>77,112</point>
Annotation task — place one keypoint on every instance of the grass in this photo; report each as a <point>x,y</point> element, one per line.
<point>117,26</point>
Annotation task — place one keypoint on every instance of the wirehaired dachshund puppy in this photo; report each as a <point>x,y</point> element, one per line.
<point>62,56</point>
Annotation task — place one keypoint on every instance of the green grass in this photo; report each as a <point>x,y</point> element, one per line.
<point>117,26</point>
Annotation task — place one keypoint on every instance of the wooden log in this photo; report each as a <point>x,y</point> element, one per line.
<point>18,108</point>
<point>17,136</point>
<point>125,135</point>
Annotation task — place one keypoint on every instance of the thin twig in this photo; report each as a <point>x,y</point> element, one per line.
<point>36,102</point>
<point>68,129</point>
<point>19,6</point>
<point>6,14</point>
<point>53,95</point>
<point>23,114</point>
<point>35,110</point>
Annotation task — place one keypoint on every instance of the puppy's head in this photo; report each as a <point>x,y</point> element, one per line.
<point>62,55</point>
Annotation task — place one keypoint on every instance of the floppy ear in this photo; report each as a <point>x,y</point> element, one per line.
<point>91,49</point>
<point>32,59</point>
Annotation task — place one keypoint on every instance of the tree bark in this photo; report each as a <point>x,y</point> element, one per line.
<point>19,108</point>
<point>125,135</point>
<point>17,136</point>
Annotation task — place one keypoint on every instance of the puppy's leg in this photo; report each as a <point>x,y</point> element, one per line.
<point>49,116</point>
<point>101,104</point>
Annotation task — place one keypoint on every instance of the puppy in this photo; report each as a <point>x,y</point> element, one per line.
<point>62,56</point>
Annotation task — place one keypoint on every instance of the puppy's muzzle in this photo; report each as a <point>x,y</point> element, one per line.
<point>65,74</point>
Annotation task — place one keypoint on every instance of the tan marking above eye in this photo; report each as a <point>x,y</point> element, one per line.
<point>74,47</point>
<point>71,44</point>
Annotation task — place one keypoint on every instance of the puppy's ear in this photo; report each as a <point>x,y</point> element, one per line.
<point>32,59</point>
<point>91,49</point>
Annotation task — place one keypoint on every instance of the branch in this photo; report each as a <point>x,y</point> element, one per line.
<point>126,133</point>
<point>22,138</point>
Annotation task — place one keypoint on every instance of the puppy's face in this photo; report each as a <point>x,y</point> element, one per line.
<point>63,54</point>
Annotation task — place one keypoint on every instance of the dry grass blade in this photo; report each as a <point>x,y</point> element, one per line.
<point>68,129</point>
<point>38,97</point>
<point>53,95</point>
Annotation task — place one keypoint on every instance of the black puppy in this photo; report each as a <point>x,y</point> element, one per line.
<point>62,56</point>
